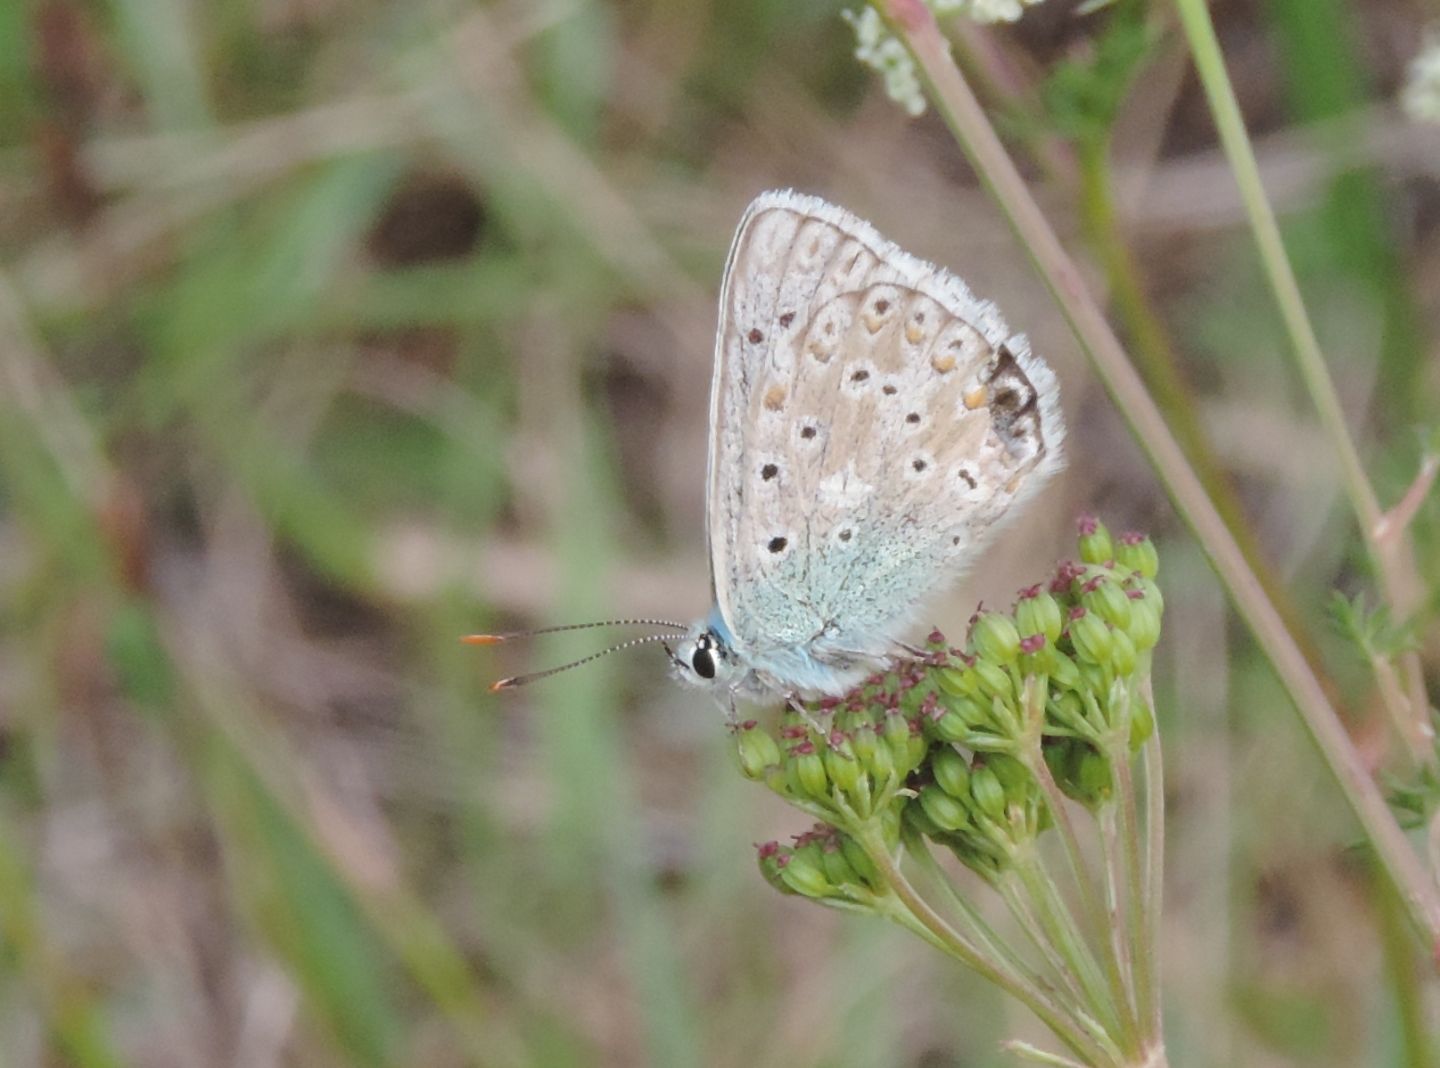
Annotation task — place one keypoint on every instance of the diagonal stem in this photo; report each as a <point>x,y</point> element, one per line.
<point>1393,558</point>
<point>915,26</point>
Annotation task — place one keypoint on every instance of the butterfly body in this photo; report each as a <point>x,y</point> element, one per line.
<point>872,426</point>
<point>709,656</point>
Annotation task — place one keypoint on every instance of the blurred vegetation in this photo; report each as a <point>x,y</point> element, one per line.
<point>332,329</point>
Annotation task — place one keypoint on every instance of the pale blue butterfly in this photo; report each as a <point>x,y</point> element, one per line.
<point>872,425</point>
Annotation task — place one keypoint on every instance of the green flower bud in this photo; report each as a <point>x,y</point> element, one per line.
<point>772,857</point>
<point>1037,655</point>
<point>917,749</point>
<point>1092,775</point>
<point>942,809</point>
<point>881,764</point>
<point>1096,678</point>
<point>994,680</point>
<point>840,763</point>
<point>1144,621</point>
<point>915,816</point>
<point>1064,674</point>
<point>1081,771</point>
<point>961,716</point>
<point>808,772</point>
<point>863,741</point>
<point>1090,636</point>
<point>1136,552</point>
<point>1038,612</point>
<point>1107,600</point>
<point>1095,544</point>
<point>860,860</point>
<point>987,792</point>
<point>837,865</point>
<point>1122,653</point>
<point>949,727</point>
<point>994,638</point>
<point>1152,593</point>
<point>1013,776</point>
<point>757,750</point>
<point>958,681</point>
<point>952,773</point>
<point>805,873</point>
<point>1142,723</point>
<point>895,732</point>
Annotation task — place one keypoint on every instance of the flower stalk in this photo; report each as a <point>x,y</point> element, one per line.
<point>1390,550</point>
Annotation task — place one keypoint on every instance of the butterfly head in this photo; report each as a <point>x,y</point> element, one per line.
<point>704,659</point>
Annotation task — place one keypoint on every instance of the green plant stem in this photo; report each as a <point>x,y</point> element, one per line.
<point>1114,868</point>
<point>1153,897</point>
<point>1406,981</point>
<point>1131,864</point>
<point>1010,892</point>
<point>943,935</point>
<point>1060,928</point>
<point>1158,363</point>
<point>1103,930</point>
<point>1394,559</point>
<point>987,940</point>
<point>915,26</point>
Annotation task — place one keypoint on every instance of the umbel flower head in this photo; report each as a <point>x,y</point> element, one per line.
<point>956,746</point>
<point>1421,96</point>
<point>882,52</point>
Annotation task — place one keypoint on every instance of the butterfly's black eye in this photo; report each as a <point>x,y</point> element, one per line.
<point>703,661</point>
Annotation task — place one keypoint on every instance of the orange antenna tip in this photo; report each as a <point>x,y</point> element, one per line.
<point>501,684</point>
<point>483,639</point>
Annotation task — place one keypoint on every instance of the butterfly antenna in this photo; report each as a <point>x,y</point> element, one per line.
<point>522,680</point>
<point>496,639</point>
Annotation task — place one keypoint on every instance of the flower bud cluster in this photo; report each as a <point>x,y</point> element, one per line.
<point>847,760</point>
<point>949,746</point>
<point>822,863</point>
<point>984,807</point>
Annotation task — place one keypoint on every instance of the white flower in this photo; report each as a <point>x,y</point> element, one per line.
<point>982,10</point>
<point>879,50</point>
<point>1421,98</point>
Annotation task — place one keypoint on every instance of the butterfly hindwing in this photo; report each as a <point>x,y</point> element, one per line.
<point>872,424</point>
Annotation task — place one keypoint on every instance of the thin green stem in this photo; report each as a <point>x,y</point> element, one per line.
<point>915,26</point>
<point>1010,892</point>
<point>1393,560</point>
<point>1061,930</point>
<point>986,938</point>
<point>1155,357</point>
<point>961,948</point>
<point>1027,1052</point>
<point>1114,876</point>
<point>1131,863</point>
<point>1152,900</point>
<point>1100,920</point>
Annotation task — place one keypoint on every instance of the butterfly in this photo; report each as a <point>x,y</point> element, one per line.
<point>873,425</point>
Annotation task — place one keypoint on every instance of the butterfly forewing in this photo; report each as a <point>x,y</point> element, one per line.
<point>873,423</point>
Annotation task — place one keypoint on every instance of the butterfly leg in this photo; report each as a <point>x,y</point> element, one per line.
<point>732,716</point>
<point>798,706</point>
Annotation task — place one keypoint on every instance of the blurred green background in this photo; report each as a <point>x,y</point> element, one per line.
<point>331,330</point>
